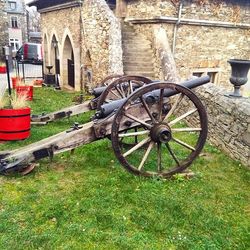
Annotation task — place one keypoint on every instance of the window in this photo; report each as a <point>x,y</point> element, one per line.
<point>198,74</point>
<point>14,44</point>
<point>14,22</point>
<point>213,76</point>
<point>214,73</point>
<point>12,5</point>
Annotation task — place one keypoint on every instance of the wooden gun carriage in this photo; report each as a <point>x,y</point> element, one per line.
<point>156,128</point>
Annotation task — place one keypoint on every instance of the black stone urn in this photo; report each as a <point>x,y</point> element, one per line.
<point>238,77</point>
<point>49,78</point>
<point>49,67</point>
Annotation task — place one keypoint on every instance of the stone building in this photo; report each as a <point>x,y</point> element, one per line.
<point>13,24</point>
<point>17,23</point>
<point>3,29</point>
<point>81,39</point>
<point>203,35</point>
<point>137,37</point>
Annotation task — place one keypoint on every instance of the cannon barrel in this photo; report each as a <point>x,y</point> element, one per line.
<point>107,109</point>
<point>98,91</point>
<point>153,96</point>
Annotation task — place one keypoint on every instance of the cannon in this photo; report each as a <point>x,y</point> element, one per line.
<point>44,118</point>
<point>112,86</point>
<point>158,130</point>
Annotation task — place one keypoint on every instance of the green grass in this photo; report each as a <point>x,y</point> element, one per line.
<point>87,201</point>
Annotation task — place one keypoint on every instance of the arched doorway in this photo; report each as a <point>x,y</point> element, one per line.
<point>54,54</point>
<point>68,63</point>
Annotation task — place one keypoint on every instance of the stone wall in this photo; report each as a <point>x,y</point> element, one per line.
<point>198,47</point>
<point>210,47</point>
<point>145,8</point>
<point>208,10</point>
<point>102,34</point>
<point>58,21</point>
<point>229,121</point>
<point>3,29</point>
<point>225,11</point>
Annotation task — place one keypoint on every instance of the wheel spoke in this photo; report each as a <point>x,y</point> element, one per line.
<point>145,157</point>
<point>134,133</point>
<point>147,109</point>
<point>139,145</point>
<point>177,102</point>
<point>159,163</point>
<point>111,91</point>
<point>136,137</point>
<point>160,105</point>
<point>185,129</point>
<point>172,154</point>
<point>122,90</point>
<point>131,87</point>
<point>138,120</point>
<point>183,144</point>
<point>119,91</point>
<point>182,117</point>
<point>128,89</point>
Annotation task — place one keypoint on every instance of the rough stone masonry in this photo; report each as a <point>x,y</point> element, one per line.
<point>229,121</point>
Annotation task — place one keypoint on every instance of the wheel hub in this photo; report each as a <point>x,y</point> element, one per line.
<point>161,133</point>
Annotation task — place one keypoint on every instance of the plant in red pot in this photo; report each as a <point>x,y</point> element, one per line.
<point>24,90</point>
<point>15,81</point>
<point>14,118</point>
<point>2,68</point>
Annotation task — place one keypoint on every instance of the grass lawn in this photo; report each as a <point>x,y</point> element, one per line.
<point>87,201</point>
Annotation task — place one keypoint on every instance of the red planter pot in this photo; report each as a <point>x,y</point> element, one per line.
<point>3,69</point>
<point>14,81</point>
<point>14,124</point>
<point>25,90</point>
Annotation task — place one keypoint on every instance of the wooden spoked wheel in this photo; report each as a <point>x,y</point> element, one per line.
<point>171,131</point>
<point>109,79</point>
<point>121,88</point>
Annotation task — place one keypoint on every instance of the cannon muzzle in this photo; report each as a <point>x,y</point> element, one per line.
<point>97,91</point>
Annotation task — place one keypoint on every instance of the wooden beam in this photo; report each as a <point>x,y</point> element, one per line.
<point>63,113</point>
